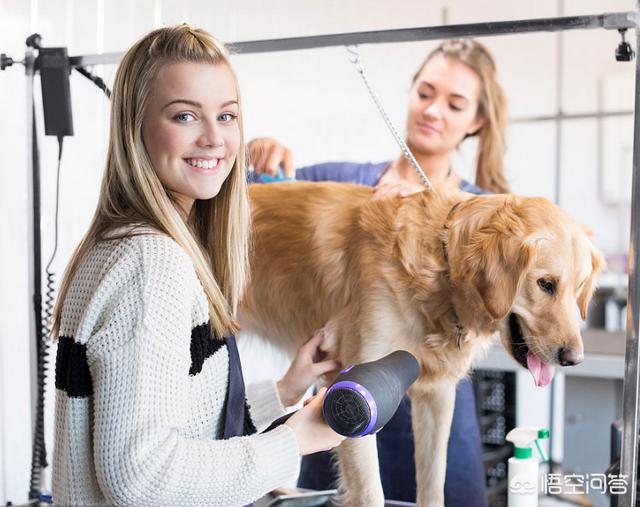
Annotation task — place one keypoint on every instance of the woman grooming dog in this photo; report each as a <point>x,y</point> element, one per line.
<point>150,401</point>
<point>454,95</point>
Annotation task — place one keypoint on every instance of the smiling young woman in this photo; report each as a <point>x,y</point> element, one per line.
<point>149,386</point>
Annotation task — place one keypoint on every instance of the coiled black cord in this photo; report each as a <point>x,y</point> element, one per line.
<point>39,451</point>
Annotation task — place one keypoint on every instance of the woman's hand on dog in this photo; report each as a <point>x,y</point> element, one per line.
<point>267,155</point>
<point>305,370</point>
<point>312,431</point>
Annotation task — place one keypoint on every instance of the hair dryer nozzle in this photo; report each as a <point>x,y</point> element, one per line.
<point>365,396</point>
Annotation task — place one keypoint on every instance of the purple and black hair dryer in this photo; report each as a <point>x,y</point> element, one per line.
<point>365,396</point>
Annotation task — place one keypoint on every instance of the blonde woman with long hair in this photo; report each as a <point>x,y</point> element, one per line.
<point>150,399</point>
<point>454,94</point>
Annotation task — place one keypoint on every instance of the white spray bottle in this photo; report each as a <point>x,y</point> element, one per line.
<point>523,466</point>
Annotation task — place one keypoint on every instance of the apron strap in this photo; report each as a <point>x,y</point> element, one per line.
<point>236,408</point>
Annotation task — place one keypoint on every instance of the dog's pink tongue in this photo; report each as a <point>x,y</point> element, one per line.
<point>542,372</point>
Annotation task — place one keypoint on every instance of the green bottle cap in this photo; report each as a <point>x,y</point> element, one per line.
<point>543,433</point>
<point>522,452</point>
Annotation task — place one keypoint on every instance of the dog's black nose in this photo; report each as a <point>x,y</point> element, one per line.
<point>569,357</point>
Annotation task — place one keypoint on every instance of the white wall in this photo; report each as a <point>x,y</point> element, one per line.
<point>311,100</point>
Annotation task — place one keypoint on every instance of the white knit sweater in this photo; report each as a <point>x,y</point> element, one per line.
<point>139,419</point>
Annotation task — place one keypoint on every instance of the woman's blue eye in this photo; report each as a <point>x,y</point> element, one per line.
<point>227,117</point>
<point>182,117</point>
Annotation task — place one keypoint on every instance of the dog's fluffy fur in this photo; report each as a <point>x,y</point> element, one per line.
<point>436,274</point>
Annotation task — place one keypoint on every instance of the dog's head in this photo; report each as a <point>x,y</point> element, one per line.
<point>521,265</point>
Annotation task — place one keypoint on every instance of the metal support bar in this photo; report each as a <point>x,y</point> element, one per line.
<point>629,455</point>
<point>608,21</point>
<point>35,267</point>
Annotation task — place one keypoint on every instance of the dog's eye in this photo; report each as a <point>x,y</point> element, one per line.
<point>547,285</point>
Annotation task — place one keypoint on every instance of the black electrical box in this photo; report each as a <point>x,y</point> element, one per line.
<point>53,64</point>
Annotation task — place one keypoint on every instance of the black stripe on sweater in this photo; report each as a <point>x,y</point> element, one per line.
<point>72,368</point>
<point>249,428</point>
<point>203,346</point>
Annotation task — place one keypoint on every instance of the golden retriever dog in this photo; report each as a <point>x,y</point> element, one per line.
<point>435,273</point>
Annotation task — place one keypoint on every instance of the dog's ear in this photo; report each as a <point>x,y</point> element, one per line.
<point>503,265</point>
<point>597,264</point>
<point>491,252</point>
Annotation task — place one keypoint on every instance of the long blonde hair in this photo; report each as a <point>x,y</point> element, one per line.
<point>492,108</point>
<point>215,235</point>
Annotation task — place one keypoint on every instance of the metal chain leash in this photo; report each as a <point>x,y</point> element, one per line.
<point>355,59</point>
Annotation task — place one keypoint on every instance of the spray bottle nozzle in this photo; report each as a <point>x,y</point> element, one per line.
<point>524,438</point>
